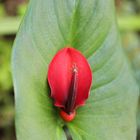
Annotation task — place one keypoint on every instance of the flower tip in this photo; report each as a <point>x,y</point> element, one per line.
<point>67,117</point>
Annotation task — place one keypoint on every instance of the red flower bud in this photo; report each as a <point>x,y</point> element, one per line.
<point>69,77</point>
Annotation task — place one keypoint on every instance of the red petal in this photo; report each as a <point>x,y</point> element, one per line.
<point>60,74</point>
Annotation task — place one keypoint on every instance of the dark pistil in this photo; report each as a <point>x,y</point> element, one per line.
<point>70,103</point>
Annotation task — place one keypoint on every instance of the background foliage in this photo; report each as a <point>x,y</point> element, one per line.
<point>11,12</point>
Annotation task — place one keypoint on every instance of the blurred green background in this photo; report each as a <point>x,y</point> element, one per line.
<point>11,13</point>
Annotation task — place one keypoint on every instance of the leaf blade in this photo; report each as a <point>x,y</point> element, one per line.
<point>89,27</point>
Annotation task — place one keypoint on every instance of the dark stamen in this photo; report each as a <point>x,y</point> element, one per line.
<point>72,91</point>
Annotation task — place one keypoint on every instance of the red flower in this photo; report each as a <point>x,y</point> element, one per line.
<point>69,77</point>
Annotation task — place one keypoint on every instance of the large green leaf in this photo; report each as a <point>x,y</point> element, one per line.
<point>89,26</point>
<point>132,43</point>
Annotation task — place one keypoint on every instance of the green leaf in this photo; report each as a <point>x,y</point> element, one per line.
<point>89,26</point>
<point>131,42</point>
